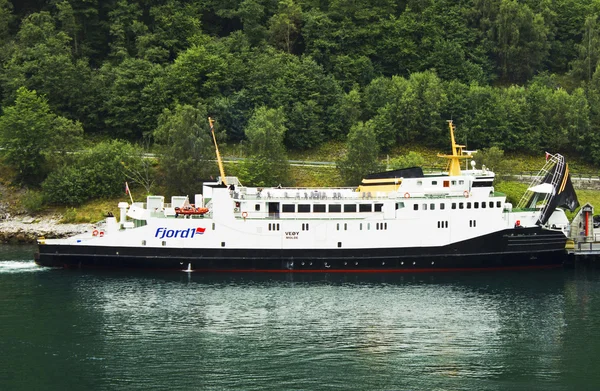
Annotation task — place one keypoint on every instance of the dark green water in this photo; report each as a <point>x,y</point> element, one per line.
<point>89,330</point>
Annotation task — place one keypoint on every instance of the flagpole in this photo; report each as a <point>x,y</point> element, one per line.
<point>129,192</point>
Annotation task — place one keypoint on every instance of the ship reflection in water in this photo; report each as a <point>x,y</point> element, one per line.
<point>121,330</point>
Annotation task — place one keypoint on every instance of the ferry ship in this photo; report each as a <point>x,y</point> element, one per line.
<point>395,221</point>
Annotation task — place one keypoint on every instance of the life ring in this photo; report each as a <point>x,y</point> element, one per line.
<point>406,195</point>
<point>466,194</point>
<point>101,233</point>
<point>244,214</point>
<point>95,232</point>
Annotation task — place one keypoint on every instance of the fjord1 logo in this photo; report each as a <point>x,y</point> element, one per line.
<point>162,232</point>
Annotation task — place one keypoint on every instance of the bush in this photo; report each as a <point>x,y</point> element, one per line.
<point>32,201</point>
<point>99,173</point>
<point>67,186</point>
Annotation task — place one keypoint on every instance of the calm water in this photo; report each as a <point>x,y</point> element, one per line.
<point>93,330</point>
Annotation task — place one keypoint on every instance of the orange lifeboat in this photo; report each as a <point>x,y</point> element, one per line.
<point>190,210</point>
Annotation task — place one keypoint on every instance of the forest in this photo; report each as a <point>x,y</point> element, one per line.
<point>115,78</point>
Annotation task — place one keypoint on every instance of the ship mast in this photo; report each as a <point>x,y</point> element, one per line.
<point>457,154</point>
<point>219,161</point>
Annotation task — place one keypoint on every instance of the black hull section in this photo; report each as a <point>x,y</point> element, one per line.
<point>510,249</point>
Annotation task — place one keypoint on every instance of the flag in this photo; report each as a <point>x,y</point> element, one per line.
<point>127,188</point>
<point>547,156</point>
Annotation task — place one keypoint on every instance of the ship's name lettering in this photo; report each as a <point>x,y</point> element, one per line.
<point>163,232</point>
<point>291,235</point>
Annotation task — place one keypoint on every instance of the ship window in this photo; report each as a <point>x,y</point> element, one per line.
<point>442,206</point>
<point>424,206</point>
<point>483,204</point>
<point>385,225</point>
<point>446,224</point>
<point>431,206</point>
<point>345,227</point>
<point>319,208</point>
<point>338,226</point>
<point>378,207</point>
<point>474,223</point>
<point>365,207</point>
<point>304,208</point>
<point>454,205</point>
<point>468,205</point>
<point>257,207</point>
<point>377,226</point>
<point>213,226</point>
<point>288,208</point>
<point>339,244</point>
<point>277,226</point>
<point>143,242</point>
<point>434,183</point>
<point>349,207</point>
<point>305,227</point>
<point>399,205</point>
<point>335,208</point>
<point>476,205</point>
<point>470,223</point>
<point>499,204</point>
<point>222,244</point>
<point>491,204</point>
<point>164,242</point>
<point>368,226</point>
<point>361,226</point>
<point>439,224</point>
<point>461,182</point>
<point>446,183</point>
<point>416,206</point>
<point>461,205</point>
<point>453,183</point>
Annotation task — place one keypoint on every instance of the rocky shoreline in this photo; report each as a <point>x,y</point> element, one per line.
<point>27,229</point>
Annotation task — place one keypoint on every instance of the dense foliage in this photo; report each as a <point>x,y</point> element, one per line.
<point>520,75</point>
<point>267,164</point>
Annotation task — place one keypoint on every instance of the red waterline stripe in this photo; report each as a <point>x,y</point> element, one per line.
<point>424,270</point>
<point>372,271</point>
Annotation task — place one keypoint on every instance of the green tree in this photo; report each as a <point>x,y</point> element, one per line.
<point>493,159</point>
<point>522,40</point>
<point>412,159</point>
<point>171,28</point>
<point>589,50</point>
<point>267,164</point>
<point>132,98</point>
<point>124,27</point>
<point>30,133</point>
<point>284,26</point>
<point>362,153</point>
<point>99,172</point>
<point>6,19</point>
<point>186,149</point>
<point>42,61</point>
<point>252,15</point>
